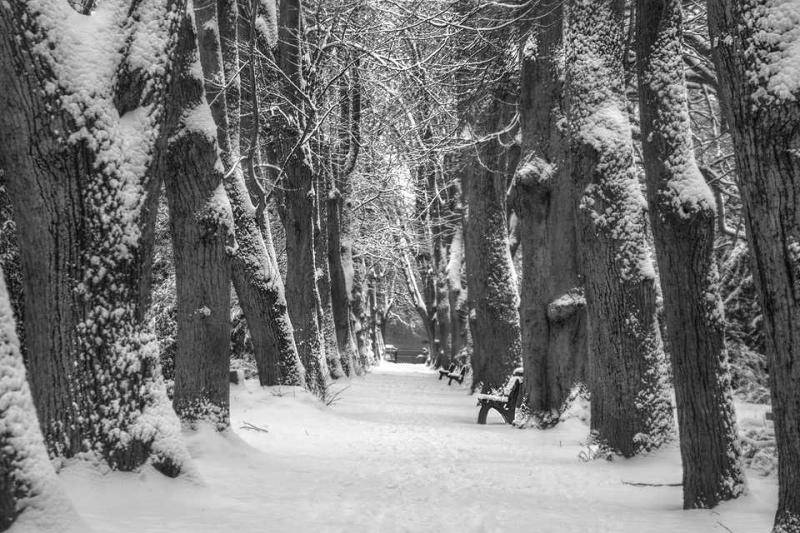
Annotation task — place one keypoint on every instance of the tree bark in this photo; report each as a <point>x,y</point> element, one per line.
<point>202,234</point>
<point>761,100</point>
<point>301,280</point>
<point>630,409</point>
<point>360,317</point>
<point>457,293</point>
<point>81,149</point>
<point>31,498</point>
<point>553,309</point>
<point>326,312</point>
<point>340,217</point>
<point>491,279</point>
<point>682,211</point>
<point>340,259</point>
<point>253,266</point>
<point>299,199</point>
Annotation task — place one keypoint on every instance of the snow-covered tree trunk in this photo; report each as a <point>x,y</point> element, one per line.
<point>325,282</point>
<point>340,216</point>
<point>340,259</point>
<point>359,314</point>
<point>254,269</point>
<point>301,277</point>
<point>202,235</point>
<point>631,410</point>
<point>299,198</point>
<point>83,106</point>
<point>379,308</point>
<point>755,45</point>
<point>491,280</point>
<point>553,309</point>
<point>31,498</point>
<point>682,210</point>
<point>456,292</point>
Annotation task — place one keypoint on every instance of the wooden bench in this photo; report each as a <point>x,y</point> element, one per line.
<point>506,404</point>
<point>457,376</point>
<point>443,372</point>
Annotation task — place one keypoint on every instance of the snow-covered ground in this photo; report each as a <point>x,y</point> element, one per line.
<point>400,451</point>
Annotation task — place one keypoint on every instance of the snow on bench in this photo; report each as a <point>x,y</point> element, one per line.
<point>505,404</point>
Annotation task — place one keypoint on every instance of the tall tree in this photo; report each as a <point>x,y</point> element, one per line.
<point>553,308</point>
<point>299,199</point>
<point>754,46</point>
<point>491,280</point>
<point>339,358</point>
<point>631,410</point>
<point>341,238</point>
<point>202,235</point>
<point>83,107</point>
<point>682,210</point>
<point>254,268</point>
<point>31,498</point>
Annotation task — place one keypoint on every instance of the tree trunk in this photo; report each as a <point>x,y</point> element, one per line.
<point>491,280</point>
<point>326,310</point>
<point>340,216</point>
<point>631,410</point>
<point>301,281</point>
<point>443,327</point>
<point>340,259</point>
<point>253,267</point>
<point>81,149</point>
<point>553,309</point>
<point>202,232</point>
<point>359,316</point>
<point>457,293</point>
<point>682,210</point>
<point>761,98</point>
<point>299,198</point>
<point>30,496</point>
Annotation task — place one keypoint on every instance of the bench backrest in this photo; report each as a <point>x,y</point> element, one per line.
<point>514,393</point>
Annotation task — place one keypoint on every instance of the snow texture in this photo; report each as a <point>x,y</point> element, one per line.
<point>39,498</point>
<point>400,451</point>
<point>107,72</point>
<point>774,48</point>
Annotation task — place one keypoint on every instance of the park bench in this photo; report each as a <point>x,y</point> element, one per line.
<point>445,371</point>
<point>505,404</point>
<point>457,376</point>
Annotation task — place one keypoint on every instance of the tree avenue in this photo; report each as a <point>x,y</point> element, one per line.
<point>563,206</point>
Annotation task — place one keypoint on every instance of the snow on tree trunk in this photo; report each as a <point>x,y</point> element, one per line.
<point>31,498</point>
<point>553,309</point>
<point>339,202</point>
<point>301,275</point>
<point>456,291</point>
<point>491,280</point>
<point>299,211</point>
<point>254,269</point>
<point>755,45</point>
<point>82,99</point>
<point>360,318</point>
<point>202,235</point>
<point>324,282</point>
<point>630,409</point>
<point>682,210</point>
<point>340,259</point>
<point>376,296</point>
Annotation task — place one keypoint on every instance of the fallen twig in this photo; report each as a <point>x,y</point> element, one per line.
<point>248,425</point>
<point>726,527</point>
<point>640,484</point>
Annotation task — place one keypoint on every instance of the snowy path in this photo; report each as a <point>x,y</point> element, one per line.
<point>400,451</point>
